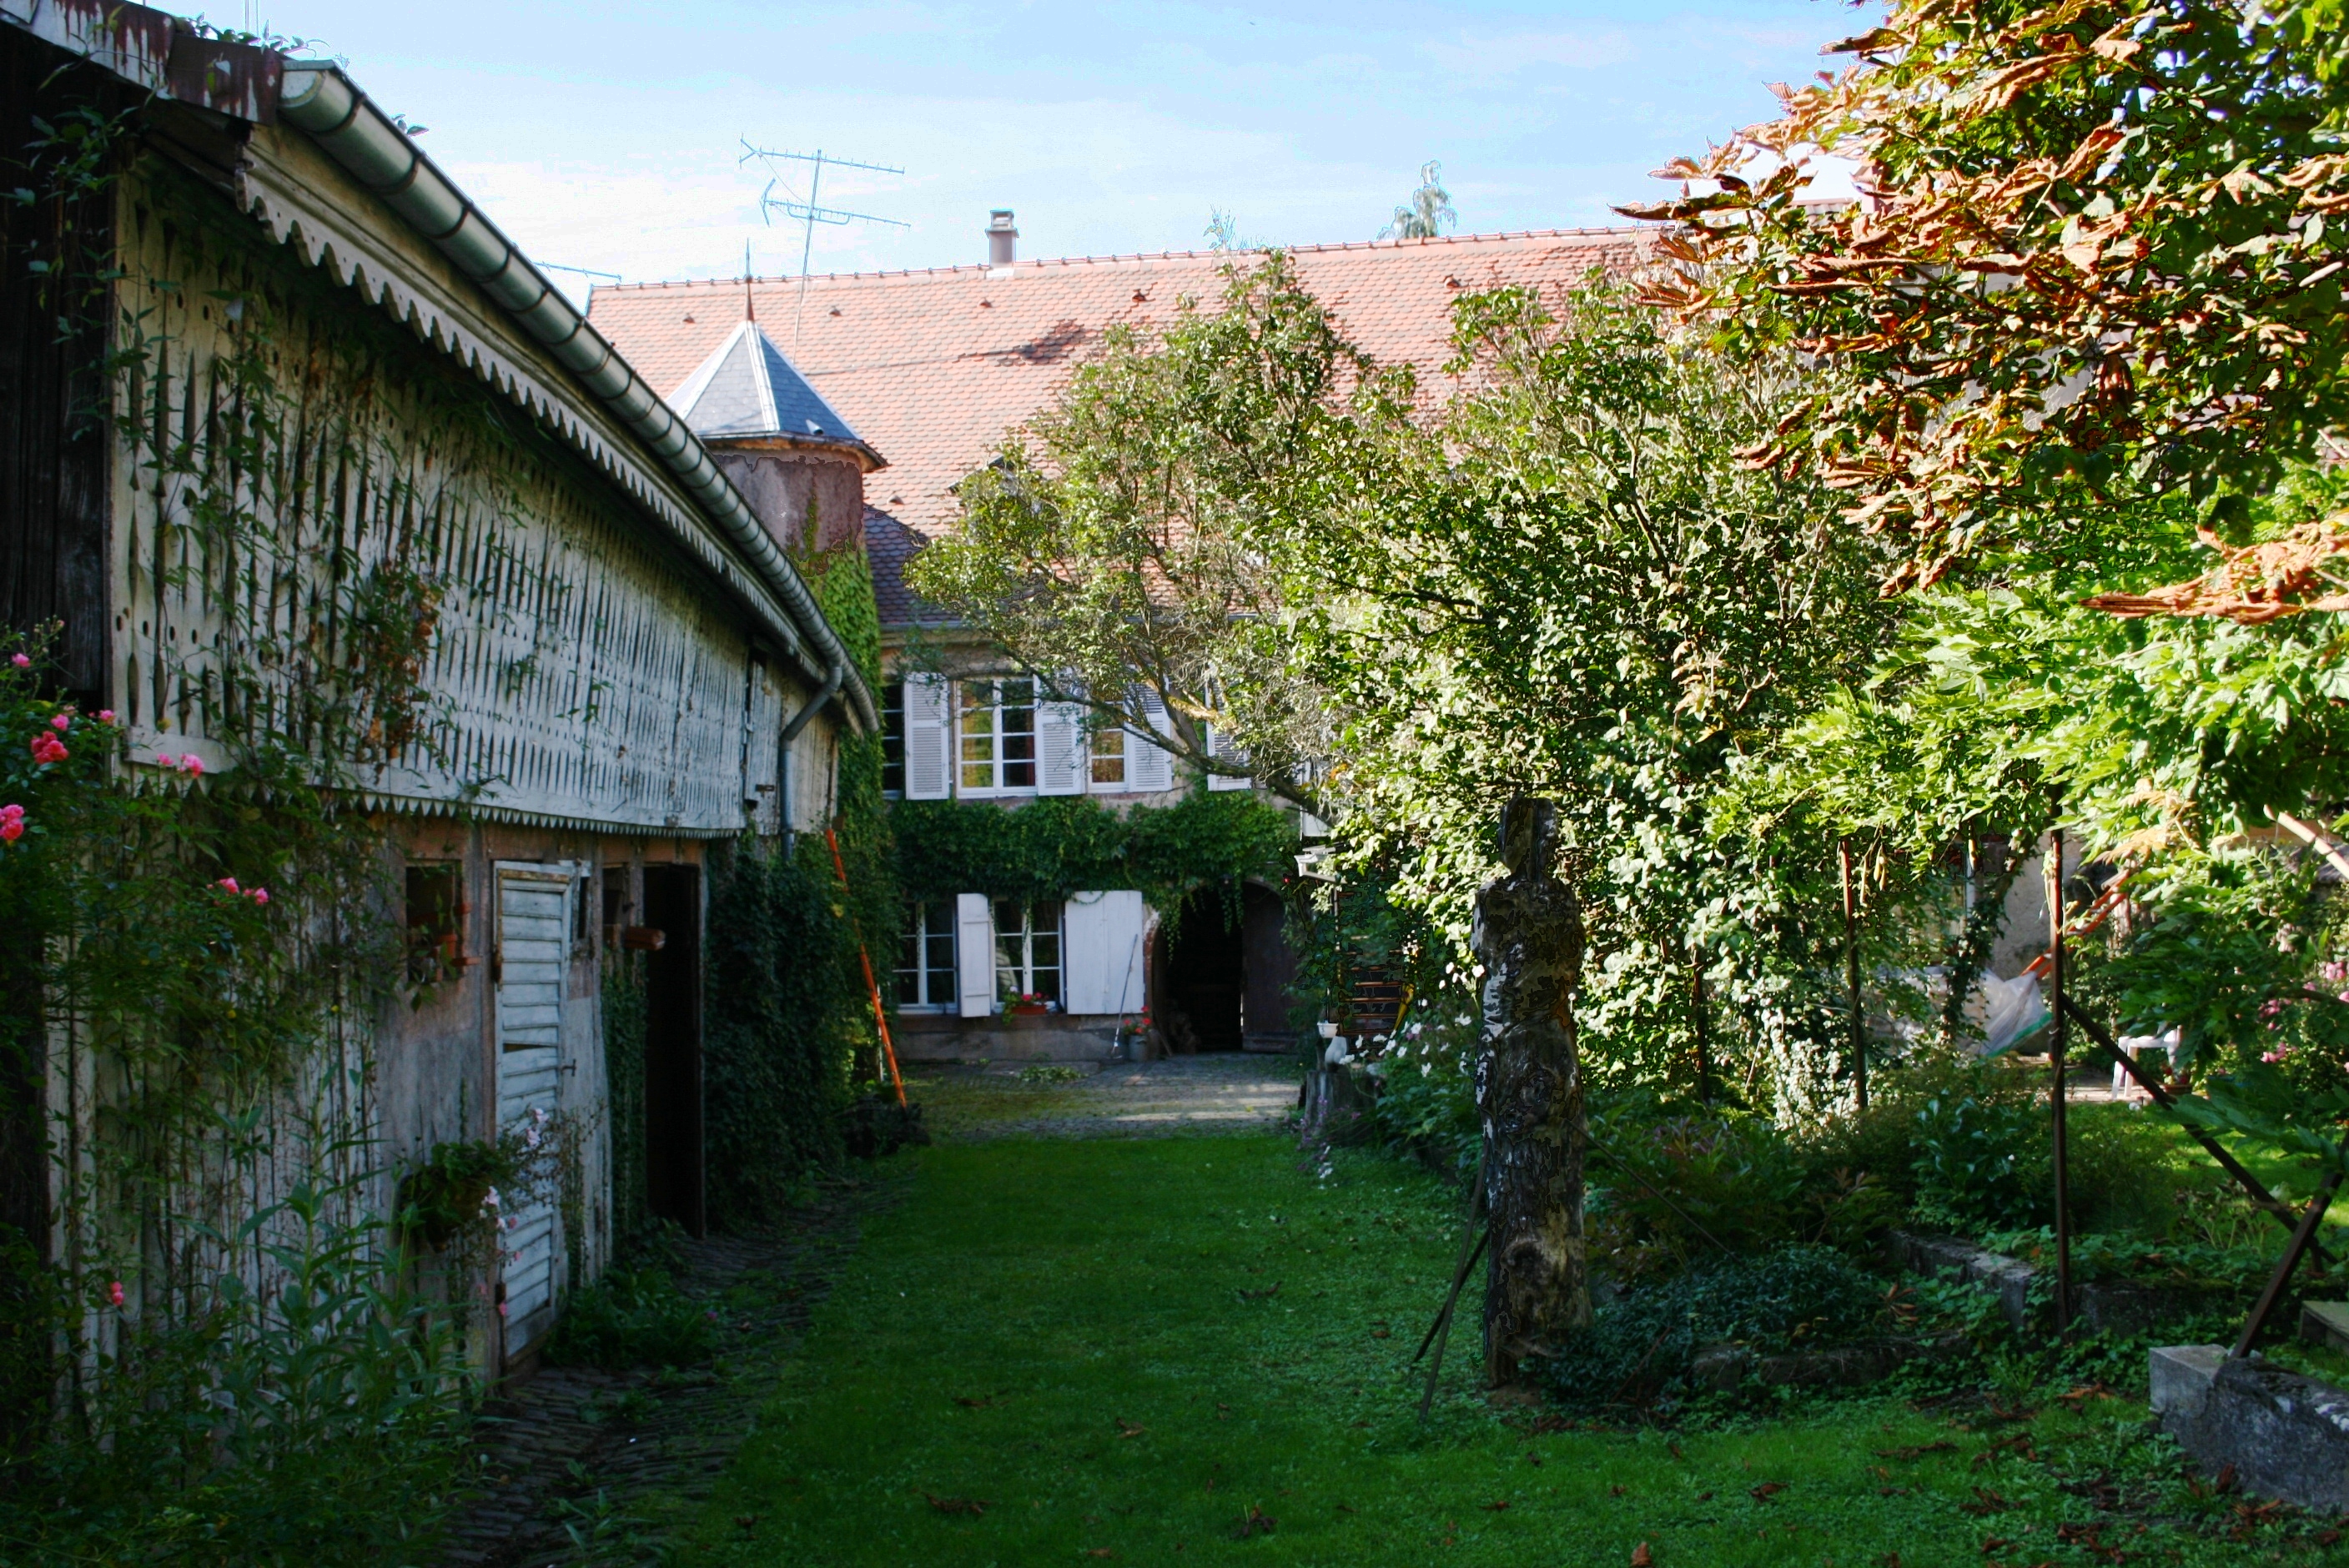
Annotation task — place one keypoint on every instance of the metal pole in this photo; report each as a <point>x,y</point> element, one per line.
<point>2059,1022</point>
<point>1851,973</point>
<point>1703,1043</point>
<point>2303,1237</point>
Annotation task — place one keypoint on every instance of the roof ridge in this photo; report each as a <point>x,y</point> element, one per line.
<point>1041,263</point>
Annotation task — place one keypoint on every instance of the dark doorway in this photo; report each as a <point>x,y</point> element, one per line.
<point>1205,976</point>
<point>673,1167</point>
<point>1270,968</point>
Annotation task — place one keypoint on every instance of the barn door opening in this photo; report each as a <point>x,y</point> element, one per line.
<point>673,1167</point>
<point>1205,976</point>
<point>533,947</point>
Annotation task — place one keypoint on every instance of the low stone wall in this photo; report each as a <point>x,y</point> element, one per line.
<point>2102,1307</point>
<point>1722,1367</point>
<point>1029,1037</point>
<point>2284,1436</point>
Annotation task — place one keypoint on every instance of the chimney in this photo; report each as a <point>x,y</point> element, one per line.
<point>999,237</point>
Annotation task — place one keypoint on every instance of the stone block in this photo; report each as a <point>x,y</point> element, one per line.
<point>2007,1278</point>
<point>2325,1323</point>
<point>2285,1436</point>
<point>1721,1367</point>
<point>2123,1306</point>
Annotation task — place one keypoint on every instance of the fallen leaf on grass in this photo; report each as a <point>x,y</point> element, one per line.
<point>1271,1290</point>
<point>747,1521</point>
<point>2086,1392</point>
<point>1382,1333</point>
<point>1918,1452</point>
<point>970,1404</point>
<point>1641,1557</point>
<point>1766,1491</point>
<point>1126,1429</point>
<point>1889,1559</point>
<point>1100,1552</point>
<point>1985,1501</point>
<point>1615,1490</point>
<point>1704,1497</point>
<point>969,1505</point>
<point>1499,1506</point>
<point>1223,1412</point>
<point>1256,1521</point>
<point>1344,1508</point>
<point>2019,1445</point>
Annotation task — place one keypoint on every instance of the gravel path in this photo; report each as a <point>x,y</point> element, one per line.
<point>1222,1093</point>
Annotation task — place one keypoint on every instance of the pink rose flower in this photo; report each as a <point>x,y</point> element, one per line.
<point>105,716</point>
<point>501,1309</point>
<point>261,895</point>
<point>114,1293</point>
<point>229,884</point>
<point>61,721</point>
<point>21,661</point>
<point>48,748</point>
<point>11,829</point>
<point>193,765</point>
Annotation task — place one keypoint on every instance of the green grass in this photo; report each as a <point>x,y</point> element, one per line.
<point>1085,1341</point>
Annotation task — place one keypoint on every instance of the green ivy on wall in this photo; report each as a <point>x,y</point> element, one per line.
<point>1050,849</point>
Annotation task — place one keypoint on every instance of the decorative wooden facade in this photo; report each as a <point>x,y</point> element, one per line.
<point>349,426</point>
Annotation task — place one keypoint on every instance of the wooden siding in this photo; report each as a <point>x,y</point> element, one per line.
<point>582,672</point>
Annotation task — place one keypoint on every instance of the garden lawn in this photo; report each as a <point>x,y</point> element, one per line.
<point>1192,1350</point>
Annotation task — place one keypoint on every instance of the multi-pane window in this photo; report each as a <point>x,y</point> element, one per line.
<point>998,735</point>
<point>1027,951</point>
<point>1107,746</point>
<point>893,738</point>
<point>925,957</point>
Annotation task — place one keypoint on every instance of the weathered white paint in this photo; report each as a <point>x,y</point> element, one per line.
<point>929,737</point>
<point>1148,768</point>
<point>1061,757</point>
<point>532,960</point>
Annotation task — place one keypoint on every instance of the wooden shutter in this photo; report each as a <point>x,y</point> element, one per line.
<point>1148,768</point>
<point>1059,748</point>
<point>1220,747</point>
<point>1101,953</point>
<point>533,948</point>
<point>974,954</point>
<point>929,737</point>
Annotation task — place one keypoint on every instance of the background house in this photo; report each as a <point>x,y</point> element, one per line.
<point>934,367</point>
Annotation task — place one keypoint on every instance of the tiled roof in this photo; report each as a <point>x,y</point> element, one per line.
<point>933,368</point>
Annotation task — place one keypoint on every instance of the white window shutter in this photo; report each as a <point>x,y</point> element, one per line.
<point>974,954</point>
<point>1059,748</point>
<point>1220,747</point>
<point>1148,768</point>
<point>1102,935</point>
<point>929,737</point>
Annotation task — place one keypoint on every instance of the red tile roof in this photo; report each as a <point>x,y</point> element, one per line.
<point>933,368</point>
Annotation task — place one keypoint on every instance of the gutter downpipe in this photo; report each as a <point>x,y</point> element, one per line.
<point>322,102</point>
<point>824,694</point>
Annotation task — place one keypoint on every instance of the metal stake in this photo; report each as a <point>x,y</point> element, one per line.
<point>2278,1281</point>
<point>1851,973</point>
<point>2058,1025</point>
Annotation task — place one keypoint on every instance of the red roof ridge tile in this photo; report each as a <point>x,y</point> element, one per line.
<point>1039,264</point>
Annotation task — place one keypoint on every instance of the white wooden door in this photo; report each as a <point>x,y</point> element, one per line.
<point>974,954</point>
<point>1100,952</point>
<point>534,957</point>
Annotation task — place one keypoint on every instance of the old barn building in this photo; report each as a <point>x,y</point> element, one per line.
<point>933,368</point>
<point>344,419</point>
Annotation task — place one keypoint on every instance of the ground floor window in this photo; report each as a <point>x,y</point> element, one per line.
<point>1027,951</point>
<point>925,957</point>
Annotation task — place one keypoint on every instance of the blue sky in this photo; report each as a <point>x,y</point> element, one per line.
<point>606,136</point>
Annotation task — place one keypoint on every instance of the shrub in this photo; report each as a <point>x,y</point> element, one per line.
<point>1640,1346</point>
<point>1979,1165</point>
<point>633,1318</point>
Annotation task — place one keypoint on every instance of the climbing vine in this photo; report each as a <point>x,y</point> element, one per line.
<point>1049,849</point>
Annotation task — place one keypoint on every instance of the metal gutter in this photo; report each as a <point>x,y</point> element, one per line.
<point>323,103</point>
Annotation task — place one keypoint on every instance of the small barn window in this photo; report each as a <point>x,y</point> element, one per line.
<point>893,738</point>
<point>998,735</point>
<point>1027,951</point>
<point>925,958</point>
<point>436,921</point>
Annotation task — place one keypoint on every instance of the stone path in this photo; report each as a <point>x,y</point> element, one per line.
<point>579,1464</point>
<point>1218,1093</point>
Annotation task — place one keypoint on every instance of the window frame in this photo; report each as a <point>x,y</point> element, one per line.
<point>893,740</point>
<point>1015,953</point>
<point>927,923</point>
<point>1000,739</point>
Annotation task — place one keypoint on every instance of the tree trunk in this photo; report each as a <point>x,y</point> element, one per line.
<point>1530,1099</point>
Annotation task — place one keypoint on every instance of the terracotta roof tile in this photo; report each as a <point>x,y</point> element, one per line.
<point>933,368</point>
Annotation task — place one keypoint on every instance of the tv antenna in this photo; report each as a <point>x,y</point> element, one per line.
<point>809,212</point>
<point>583,272</point>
